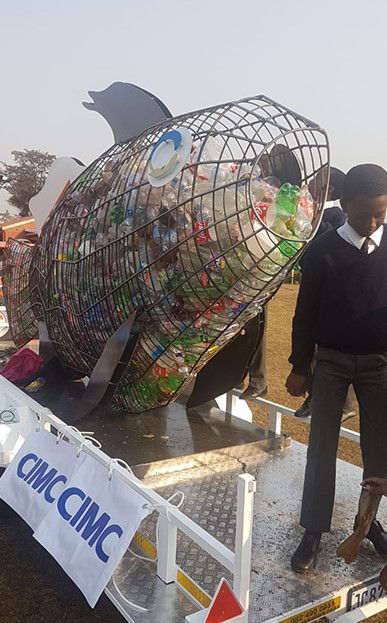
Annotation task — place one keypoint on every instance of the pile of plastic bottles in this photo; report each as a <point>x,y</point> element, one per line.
<point>196,258</point>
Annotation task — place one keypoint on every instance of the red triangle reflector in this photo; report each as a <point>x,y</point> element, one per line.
<point>224,606</point>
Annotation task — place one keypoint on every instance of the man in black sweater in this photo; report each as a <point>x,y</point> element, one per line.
<point>342,307</point>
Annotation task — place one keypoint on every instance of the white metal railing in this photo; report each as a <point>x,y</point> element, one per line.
<point>170,517</point>
<point>275,413</point>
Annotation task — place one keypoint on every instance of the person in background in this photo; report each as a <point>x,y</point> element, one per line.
<point>278,167</point>
<point>333,218</point>
<point>333,215</point>
<point>342,307</point>
<point>257,385</point>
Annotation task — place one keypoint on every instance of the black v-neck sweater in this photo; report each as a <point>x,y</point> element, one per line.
<point>342,302</point>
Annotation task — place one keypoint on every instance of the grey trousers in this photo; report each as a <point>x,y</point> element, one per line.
<point>349,404</point>
<point>333,374</point>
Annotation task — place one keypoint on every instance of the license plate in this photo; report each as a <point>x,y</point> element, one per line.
<point>316,613</point>
<point>364,593</point>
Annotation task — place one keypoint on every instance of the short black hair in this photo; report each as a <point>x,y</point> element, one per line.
<point>367,180</point>
<point>336,183</point>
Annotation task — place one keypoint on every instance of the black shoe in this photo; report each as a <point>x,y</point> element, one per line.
<point>252,392</point>
<point>378,537</point>
<point>305,556</point>
<point>306,408</point>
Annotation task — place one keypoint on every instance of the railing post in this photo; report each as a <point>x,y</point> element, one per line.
<point>243,537</point>
<point>166,549</point>
<point>275,420</point>
<point>230,402</point>
<point>232,405</point>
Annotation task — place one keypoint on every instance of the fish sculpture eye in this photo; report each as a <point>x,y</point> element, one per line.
<point>168,156</point>
<point>194,225</point>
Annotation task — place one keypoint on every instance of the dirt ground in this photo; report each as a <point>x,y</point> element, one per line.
<point>28,595</point>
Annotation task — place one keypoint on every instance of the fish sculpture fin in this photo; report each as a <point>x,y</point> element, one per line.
<point>128,109</point>
<point>228,367</point>
<point>107,372</point>
<point>46,348</point>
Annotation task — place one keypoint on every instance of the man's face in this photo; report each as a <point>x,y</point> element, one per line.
<point>365,215</point>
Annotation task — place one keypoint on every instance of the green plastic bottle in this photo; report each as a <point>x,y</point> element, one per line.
<point>287,200</point>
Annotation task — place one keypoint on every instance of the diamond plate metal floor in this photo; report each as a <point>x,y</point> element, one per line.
<point>211,502</point>
<point>138,581</point>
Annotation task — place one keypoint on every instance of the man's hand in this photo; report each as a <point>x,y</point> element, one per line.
<point>296,384</point>
<point>378,486</point>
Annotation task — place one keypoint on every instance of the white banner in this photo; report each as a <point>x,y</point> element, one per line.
<point>90,526</point>
<point>37,475</point>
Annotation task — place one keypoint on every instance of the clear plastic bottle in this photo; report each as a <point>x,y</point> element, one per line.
<point>302,226</point>
<point>305,214</point>
<point>263,190</point>
<point>86,247</point>
<point>126,227</point>
<point>101,240</point>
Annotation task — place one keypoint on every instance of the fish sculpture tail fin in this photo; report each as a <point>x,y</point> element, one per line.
<point>106,374</point>
<point>17,291</point>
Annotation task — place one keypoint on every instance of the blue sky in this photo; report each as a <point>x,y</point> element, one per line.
<point>326,60</point>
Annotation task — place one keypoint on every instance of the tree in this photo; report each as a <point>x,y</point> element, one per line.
<point>26,177</point>
<point>5,217</point>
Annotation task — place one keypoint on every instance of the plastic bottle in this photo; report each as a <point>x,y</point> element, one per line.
<point>263,190</point>
<point>264,212</point>
<point>289,248</point>
<point>287,200</point>
<point>306,203</point>
<point>86,247</point>
<point>147,391</point>
<point>302,226</point>
<point>280,228</point>
<point>169,198</point>
<point>126,227</point>
<point>117,213</point>
<point>305,214</point>
<point>101,240</point>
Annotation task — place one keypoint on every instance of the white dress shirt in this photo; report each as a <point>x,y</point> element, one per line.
<point>350,235</point>
<point>331,204</point>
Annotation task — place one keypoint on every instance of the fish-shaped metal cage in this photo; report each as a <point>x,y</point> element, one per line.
<point>193,225</point>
